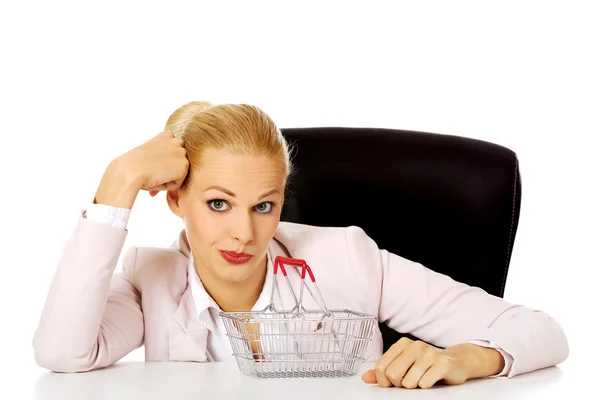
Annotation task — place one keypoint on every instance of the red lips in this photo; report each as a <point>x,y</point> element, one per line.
<point>234,257</point>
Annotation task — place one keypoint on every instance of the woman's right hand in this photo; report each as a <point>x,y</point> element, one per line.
<point>158,164</point>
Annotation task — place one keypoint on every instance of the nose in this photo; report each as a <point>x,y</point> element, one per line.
<point>242,228</point>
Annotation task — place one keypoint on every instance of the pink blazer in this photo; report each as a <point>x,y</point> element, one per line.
<point>93,317</point>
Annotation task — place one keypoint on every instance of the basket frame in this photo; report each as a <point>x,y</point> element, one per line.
<point>299,343</point>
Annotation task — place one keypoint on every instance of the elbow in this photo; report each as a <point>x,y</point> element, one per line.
<point>562,349</point>
<point>564,354</point>
<point>57,361</point>
<point>554,345</point>
<point>553,335</point>
<point>534,338</point>
<point>60,363</point>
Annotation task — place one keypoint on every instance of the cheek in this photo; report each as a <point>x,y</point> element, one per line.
<point>266,227</point>
<point>200,225</point>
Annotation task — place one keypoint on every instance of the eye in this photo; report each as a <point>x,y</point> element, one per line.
<point>265,207</point>
<point>218,205</point>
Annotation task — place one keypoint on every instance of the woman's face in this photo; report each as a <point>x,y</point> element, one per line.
<point>232,206</point>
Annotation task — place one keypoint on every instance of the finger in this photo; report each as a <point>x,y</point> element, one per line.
<point>180,181</point>
<point>437,372</point>
<point>160,187</point>
<point>419,368</point>
<point>180,141</point>
<point>397,369</point>
<point>172,185</point>
<point>369,377</point>
<point>167,132</point>
<point>153,193</point>
<point>400,366</point>
<point>387,358</point>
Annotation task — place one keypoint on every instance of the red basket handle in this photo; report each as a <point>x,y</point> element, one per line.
<point>293,262</point>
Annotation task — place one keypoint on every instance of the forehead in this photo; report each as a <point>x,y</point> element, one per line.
<point>237,172</point>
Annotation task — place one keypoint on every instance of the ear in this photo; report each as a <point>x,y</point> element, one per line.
<point>173,199</point>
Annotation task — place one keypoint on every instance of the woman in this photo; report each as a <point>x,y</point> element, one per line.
<point>225,169</point>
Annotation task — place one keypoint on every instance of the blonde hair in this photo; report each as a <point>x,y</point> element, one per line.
<point>238,128</point>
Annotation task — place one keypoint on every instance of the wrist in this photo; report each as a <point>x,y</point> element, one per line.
<point>119,186</point>
<point>478,361</point>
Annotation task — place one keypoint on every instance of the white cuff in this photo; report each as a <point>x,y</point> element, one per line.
<point>113,216</point>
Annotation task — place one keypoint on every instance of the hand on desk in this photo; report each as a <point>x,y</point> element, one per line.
<point>412,364</point>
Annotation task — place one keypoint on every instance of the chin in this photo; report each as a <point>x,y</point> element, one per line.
<point>236,273</point>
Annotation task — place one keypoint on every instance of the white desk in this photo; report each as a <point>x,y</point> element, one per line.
<point>182,381</point>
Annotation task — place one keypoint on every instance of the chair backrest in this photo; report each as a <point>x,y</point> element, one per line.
<point>451,203</point>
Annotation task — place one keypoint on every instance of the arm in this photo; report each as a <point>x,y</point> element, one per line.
<point>433,307</point>
<point>91,318</point>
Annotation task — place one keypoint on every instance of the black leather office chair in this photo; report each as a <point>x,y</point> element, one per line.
<point>451,203</point>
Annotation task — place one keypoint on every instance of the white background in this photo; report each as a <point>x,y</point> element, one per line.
<point>82,82</point>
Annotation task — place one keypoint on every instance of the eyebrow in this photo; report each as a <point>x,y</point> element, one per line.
<point>230,193</point>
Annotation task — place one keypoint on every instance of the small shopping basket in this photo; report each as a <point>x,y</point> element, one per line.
<point>298,343</point>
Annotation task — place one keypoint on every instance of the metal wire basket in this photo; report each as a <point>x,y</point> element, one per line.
<point>298,343</point>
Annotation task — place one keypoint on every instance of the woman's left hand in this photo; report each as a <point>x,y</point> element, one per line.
<point>412,364</point>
